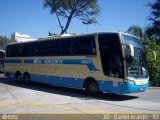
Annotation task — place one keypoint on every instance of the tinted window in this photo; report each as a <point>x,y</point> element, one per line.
<point>60,47</point>
<point>84,46</point>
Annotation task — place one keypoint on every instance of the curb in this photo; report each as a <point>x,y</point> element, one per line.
<point>154,87</point>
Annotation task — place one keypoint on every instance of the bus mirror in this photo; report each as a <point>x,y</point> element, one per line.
<point>131,50</point>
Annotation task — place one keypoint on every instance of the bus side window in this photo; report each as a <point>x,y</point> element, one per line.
<point>71,47</point>
<point>65,47</point>
<point>53,49</point>
<point>21,50</point>
<point>93,47</point>
<point>84,46</point>
<point>37,50</point>
<point>29,50</point>
<point>75,47</point>
<point>49,49</point>
<point>8,51</point>
<point>15,49</point>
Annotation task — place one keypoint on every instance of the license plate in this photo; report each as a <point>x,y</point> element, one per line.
<point>115,84</point>
<point>141,89</point>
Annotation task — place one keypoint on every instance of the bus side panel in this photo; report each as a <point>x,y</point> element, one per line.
<point>56,74</point>
<point>59,81</point>
<point>68,74</point>
<point>53,80</point>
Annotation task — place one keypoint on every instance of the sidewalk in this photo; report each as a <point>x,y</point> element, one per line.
<point>154,87</point>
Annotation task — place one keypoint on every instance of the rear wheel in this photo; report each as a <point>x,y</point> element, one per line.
<point>18,76</point>
<point>92,87</point>
<point>26,78</point>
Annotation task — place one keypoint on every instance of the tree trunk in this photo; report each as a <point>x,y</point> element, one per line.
<point>67,23</point>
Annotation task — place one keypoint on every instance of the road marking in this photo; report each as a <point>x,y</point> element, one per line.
<point>26,103</point>
<point>36,104</point>
<point>3,99</point>
<point>11,105</point>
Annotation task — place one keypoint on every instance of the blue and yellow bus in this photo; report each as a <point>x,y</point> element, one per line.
<point>106,61</point>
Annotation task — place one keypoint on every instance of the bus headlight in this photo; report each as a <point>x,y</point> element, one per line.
<point>131,81</point>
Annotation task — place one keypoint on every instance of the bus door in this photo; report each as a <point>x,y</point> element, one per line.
<point>111,55</point>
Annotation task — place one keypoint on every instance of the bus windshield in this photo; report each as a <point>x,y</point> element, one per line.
<point>136,66</point>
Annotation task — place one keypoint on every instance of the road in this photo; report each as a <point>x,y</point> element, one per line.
<point>19,98</point>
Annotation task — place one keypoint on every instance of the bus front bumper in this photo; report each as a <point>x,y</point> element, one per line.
<point>121,88</point>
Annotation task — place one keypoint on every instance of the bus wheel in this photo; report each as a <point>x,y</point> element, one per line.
<point>26,78</point>
<point>92,87</point>
<point>18,76</point>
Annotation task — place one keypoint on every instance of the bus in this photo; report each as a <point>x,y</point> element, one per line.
<point>112,62</point>
<point>2,59</point>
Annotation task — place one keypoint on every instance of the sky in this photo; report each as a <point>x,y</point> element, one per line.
<point>29,17</point>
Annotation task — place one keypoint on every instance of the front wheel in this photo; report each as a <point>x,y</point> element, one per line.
<point>92,87</point>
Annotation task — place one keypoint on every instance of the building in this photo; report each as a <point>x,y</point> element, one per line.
<point>20,37</point>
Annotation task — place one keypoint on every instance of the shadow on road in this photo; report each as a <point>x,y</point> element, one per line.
<point>81,94</point>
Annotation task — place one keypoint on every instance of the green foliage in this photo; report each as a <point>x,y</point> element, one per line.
<point>135,30</point>
<point>4,41</point>
<point>153,31</point>
<point>150,44</point>
<point>153,66</point>
<point>85,10</point>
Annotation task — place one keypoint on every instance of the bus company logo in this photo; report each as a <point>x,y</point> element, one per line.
<point>4,117</point>
<point>9,117</point>
<point>85,62</point>
<point>36,61</point>
<point>47,61</point>
<point>56,61</point>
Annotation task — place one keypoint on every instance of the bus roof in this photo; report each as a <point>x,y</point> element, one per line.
<point>70,36</point>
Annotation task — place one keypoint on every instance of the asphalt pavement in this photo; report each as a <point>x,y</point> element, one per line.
<point>19,98</point>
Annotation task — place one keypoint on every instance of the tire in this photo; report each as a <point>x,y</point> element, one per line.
<point>92,87</point>
<point>26,78</point>
<point>18,76</point>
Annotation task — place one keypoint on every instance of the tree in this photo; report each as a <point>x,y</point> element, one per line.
<point>135,30</point>
<point>4,41</point>
<point>153,66</point>
<point>85,10</point>
<point>154,29</point>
